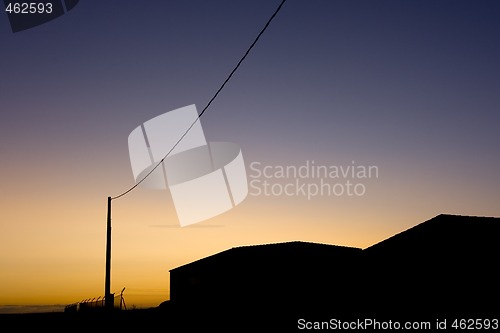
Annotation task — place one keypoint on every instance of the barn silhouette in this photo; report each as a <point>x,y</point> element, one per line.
<point>443,267</point>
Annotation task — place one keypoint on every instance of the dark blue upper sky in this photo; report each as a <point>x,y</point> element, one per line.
<point>378,76</point>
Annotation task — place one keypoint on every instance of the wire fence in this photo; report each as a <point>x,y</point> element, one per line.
<point>96,304</point>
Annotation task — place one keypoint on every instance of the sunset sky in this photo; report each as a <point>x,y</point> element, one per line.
<point>409,87</point>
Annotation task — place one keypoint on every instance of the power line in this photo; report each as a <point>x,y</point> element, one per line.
<point>209,103</point>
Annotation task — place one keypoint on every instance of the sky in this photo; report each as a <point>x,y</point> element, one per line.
<point>409,88</point>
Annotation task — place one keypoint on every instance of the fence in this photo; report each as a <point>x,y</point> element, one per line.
<point>96,304</point>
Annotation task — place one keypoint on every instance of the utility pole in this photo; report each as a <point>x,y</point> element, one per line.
<point>108,297</point>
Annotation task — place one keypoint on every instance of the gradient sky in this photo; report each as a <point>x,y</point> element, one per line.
<point>412,87</point>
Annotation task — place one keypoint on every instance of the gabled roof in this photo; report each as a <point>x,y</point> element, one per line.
<point>439,236</point>
<point>442,233</point>
<point>294,250</point>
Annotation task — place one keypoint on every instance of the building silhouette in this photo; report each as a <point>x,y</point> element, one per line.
<point>265,275</point>
<point>443,267</point>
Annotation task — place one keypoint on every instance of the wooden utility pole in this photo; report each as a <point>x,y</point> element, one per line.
<point>108,297</point>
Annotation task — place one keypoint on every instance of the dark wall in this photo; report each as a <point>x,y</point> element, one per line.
<point>268,276</point>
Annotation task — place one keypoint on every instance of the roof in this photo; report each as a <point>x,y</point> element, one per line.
<point>442,234</point>
<point>293,250</point>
